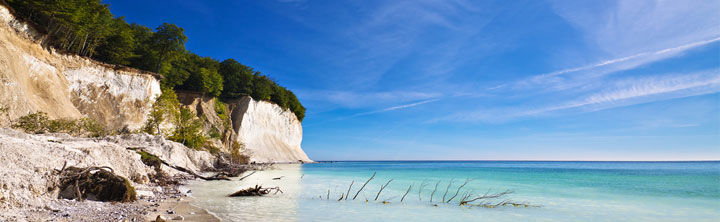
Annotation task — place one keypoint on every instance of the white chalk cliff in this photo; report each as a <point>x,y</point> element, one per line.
<point>269,132</point>
<point>34,78</point>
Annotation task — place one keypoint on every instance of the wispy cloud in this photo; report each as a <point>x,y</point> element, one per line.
<point>623,92</point>
<point>687,85</point>
<point>642,58</point>
<point>396,107</point>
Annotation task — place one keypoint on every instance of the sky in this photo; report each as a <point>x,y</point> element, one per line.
<point>476,80</point>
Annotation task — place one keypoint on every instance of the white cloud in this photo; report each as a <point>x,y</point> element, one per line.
<point>642,90</point>
<point>396,107</point>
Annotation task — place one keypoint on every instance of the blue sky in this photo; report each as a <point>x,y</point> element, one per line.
<point>476,80</point>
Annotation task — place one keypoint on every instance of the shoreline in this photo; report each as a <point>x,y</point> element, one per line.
<point>175,205</point>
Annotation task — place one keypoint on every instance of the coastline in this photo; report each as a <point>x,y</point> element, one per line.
<point>176,205</point>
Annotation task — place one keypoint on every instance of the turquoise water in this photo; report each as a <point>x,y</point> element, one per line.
<point>563,191</point>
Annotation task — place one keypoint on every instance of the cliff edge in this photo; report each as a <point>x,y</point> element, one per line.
<point>265,132</point>
<point>35,79</point>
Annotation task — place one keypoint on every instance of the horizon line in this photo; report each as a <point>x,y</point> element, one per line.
<point>717,160</point>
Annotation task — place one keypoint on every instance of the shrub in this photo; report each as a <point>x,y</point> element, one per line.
<point>32,123</point>
<point>236,154</point>
<point>39,122</point>
<point>188,130</point>
<point>165,108</point>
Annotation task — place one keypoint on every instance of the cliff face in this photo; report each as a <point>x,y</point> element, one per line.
<point>34,79</point>
<point>268,132</point>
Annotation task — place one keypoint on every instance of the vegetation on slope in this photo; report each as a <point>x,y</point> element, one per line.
<point>88,28</point>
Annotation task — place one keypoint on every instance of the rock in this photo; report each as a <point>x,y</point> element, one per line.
<point>178,217</point>
<point>160,218</point>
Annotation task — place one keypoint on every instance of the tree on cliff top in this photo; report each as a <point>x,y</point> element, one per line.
<point>168,43</point>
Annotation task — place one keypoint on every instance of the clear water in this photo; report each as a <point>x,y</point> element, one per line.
<point>565,191</point>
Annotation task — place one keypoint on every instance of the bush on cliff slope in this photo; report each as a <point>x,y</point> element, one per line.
<point>188,130</point>
<point>39,122</point>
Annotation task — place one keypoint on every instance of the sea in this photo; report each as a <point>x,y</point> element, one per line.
<point>522,191</point>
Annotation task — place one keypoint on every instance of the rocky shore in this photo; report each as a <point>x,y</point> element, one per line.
<point>29,181</point>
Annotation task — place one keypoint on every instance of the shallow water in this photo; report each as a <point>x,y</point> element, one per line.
<point>565,191</point>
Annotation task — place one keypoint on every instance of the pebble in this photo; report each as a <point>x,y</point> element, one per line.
<point>178,217</point>
<point>160,218</point>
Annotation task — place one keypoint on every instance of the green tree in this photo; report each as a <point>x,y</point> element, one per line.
<point>212,82</point>
<point>237,78</point>
<point>164,109</point>
<point>168,42</point>
<point>262,87</point>
<point>279,96</point>
<point>119,48</point>
<point>188,130</point>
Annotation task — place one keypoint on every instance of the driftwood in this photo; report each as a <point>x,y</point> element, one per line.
<point>246,176</point>
<point>458,190</point>
<point>406,192</point>
<point>94,183</point>
<point>255,191</point>
<point>448,188</point>
<point>348,192</point>
<point>363,186</point>
<point>433,193</point>
<point>487,200</point>
<point>487,195</point>
<point>422,186</point>
<point>382,188</point>
<point>153,159</point>
<point>278,178</point>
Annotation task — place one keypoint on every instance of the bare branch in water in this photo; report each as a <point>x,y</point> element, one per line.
<point>406,192</point>
<point>458,190</point>
<point>433,193</point>
<point>422,185</point>
<point>351,183</point>
<point>363,186</point>
<point>448,188</point>
<point>487,196</point>
<point>341,196</point>
<point>246,176</point>
<point>382,188</point>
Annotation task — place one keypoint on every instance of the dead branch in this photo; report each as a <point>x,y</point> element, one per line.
<point>422,186</point>
<point>246,176</point>
<point>448,188</point>
<point>458,190</point>
<point>487,195</point>
<point>328,195</point>
<point>433,193</point>
<point>363,186</point>
<point>406,192</point>
<point>255,191</point>
<point>95,183</point>
<point>382,188</point>
<point>341,196</point>
<point>278,178</point>
<point>219,176</point>
<point>348,192</point>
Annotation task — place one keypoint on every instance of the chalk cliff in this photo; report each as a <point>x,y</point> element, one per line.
<point>34,78</point>
<point>266,132</point>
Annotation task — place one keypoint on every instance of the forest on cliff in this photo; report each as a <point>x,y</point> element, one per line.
<point>88,28</point>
